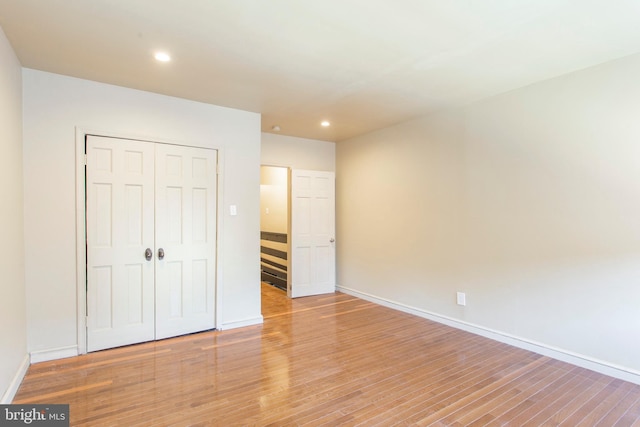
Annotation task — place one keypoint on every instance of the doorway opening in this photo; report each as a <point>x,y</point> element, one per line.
<point>297,230</point>
<point>275,259</point>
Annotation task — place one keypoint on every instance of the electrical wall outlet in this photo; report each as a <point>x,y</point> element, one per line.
<point>461,298</point>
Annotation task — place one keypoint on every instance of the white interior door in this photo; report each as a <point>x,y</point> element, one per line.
<point>186,234</point>
<point>313,254</point>
<point>120,227</point>
<point>144,199</point>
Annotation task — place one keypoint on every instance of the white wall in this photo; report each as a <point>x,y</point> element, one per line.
<point>528,202</point>
<point>13,326</point>
<point>298,153</point>
<point>274,199</point>
<point>53,106</point>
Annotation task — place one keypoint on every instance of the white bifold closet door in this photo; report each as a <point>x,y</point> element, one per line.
<point>151,241</point>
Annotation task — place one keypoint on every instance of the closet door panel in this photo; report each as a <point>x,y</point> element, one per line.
<point>186,181</point>
<point>120,228</point>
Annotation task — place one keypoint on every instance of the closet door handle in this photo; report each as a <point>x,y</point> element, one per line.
<point>160,253</point>
<point>148,254</point>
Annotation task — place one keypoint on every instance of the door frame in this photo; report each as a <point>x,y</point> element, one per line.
<point>81,248</point>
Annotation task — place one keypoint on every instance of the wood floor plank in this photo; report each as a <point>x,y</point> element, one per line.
<point>474,378</point>
<point>607,404</point>
<point>631,414</point>
<point>487,407</point>
<point>547,396</point>
<point>588,391</point>
<point>618,411</point>
<point>330,360</point>
<point>589,406</point>
<point>563,395</point>
<point>43,397</point>
<point>448,413</point>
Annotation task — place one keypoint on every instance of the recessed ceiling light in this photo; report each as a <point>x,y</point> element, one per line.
<point>275,128</point>
<point>325,124</point>
<point>162,56</point>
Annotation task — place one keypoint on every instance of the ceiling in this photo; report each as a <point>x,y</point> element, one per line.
<point>361,64</point>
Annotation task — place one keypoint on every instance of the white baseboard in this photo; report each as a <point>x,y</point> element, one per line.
<point>54,354</point>
<point>583,361</point>
<point>8,396</point>
<point>242,323</point>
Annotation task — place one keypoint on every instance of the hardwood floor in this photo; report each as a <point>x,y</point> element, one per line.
<point>329,360</point>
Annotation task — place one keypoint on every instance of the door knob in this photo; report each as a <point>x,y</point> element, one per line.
<point>331,240</point>
<point>160,253</point>
<point>148,254</point>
